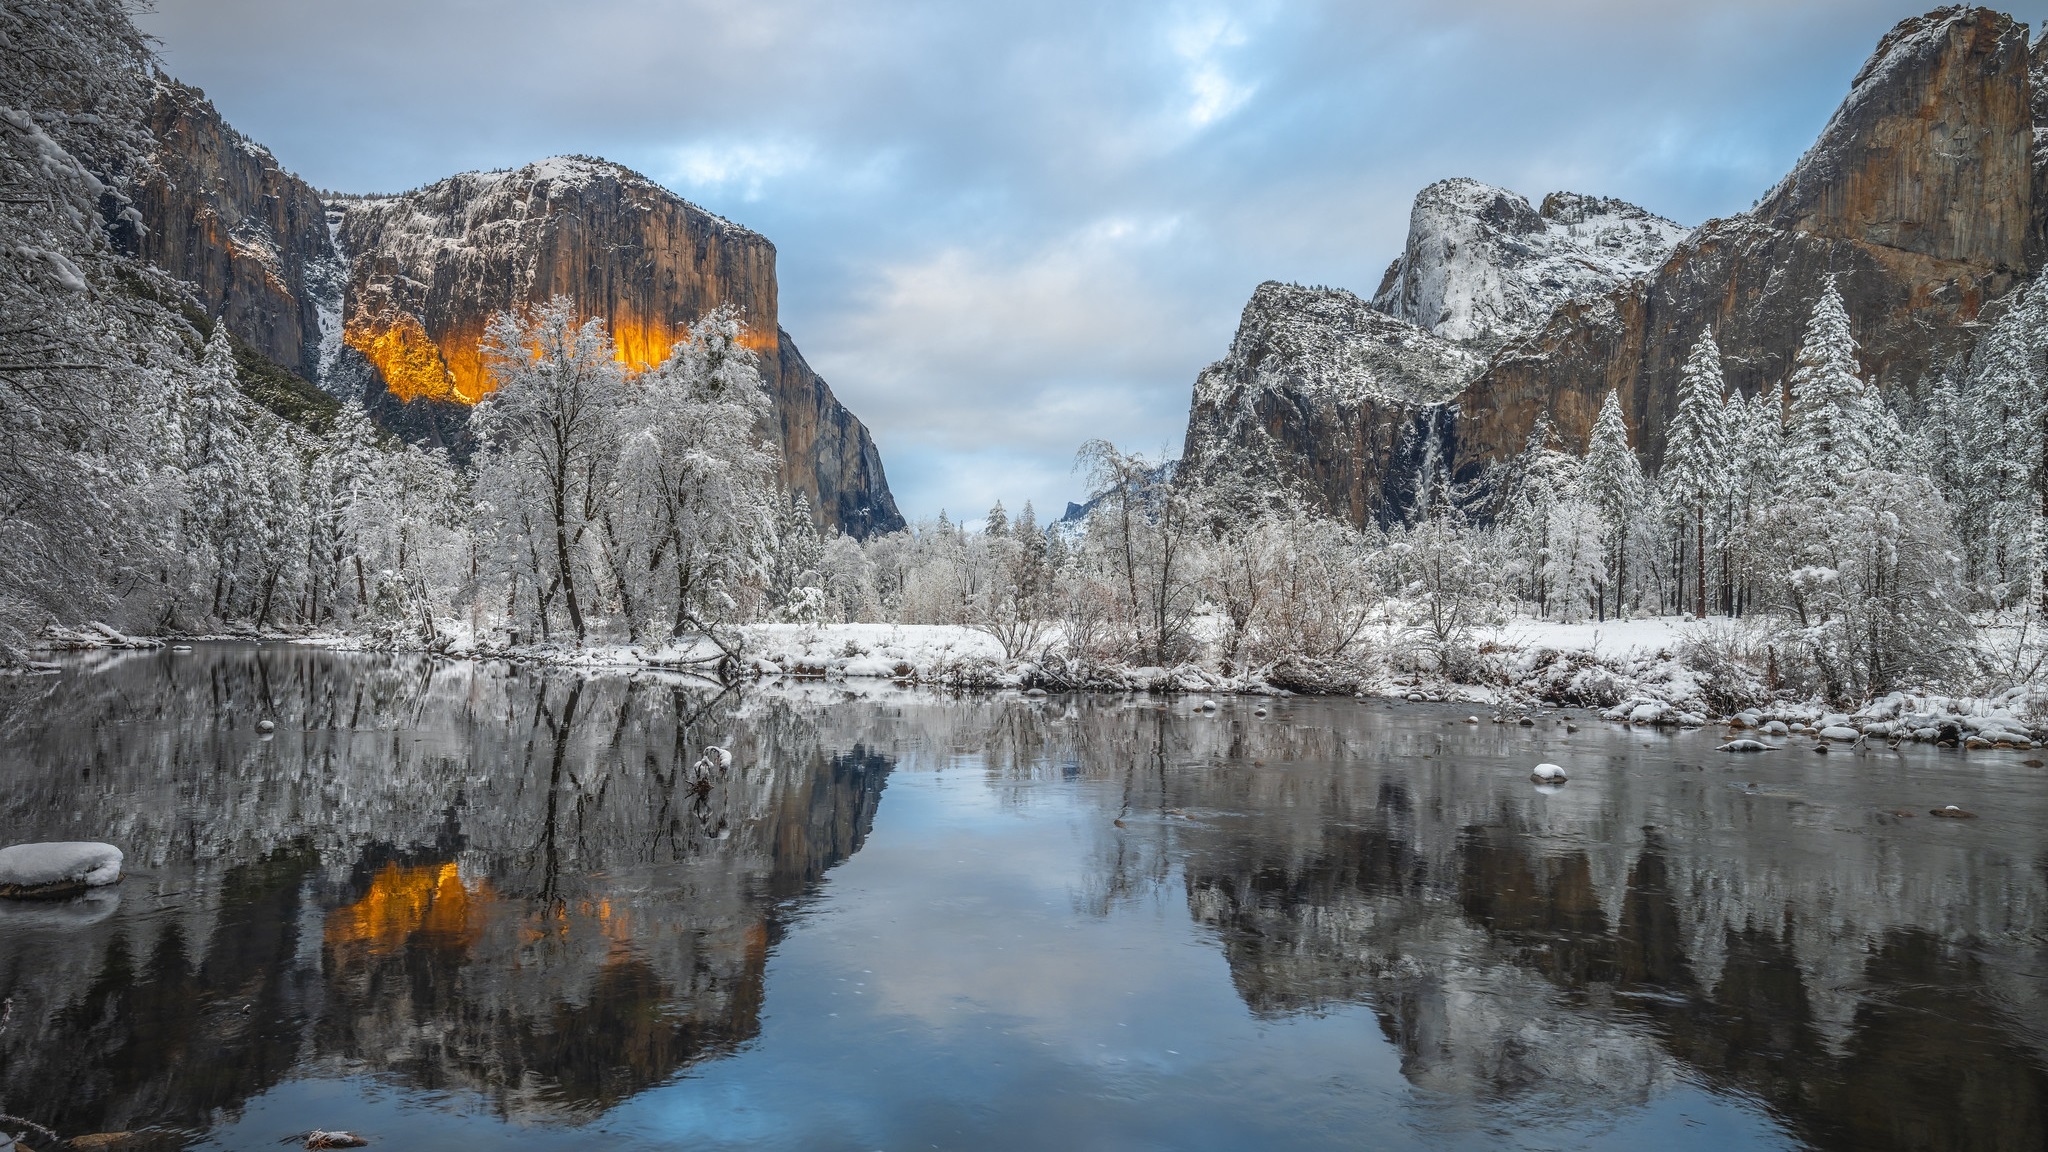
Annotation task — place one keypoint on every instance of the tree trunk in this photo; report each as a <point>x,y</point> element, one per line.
<point>1699,559</point>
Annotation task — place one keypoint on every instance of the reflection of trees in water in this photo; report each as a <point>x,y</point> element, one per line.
<point>1509,962</point>
<point>468,875</point>
<point>1585,949</point>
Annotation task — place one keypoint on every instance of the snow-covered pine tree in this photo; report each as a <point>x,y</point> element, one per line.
<point>345,498</point>
<point>218,469</point>
<point>1612,481</point>
<point>1540,477</point>
<point>1998,481</point>
<point>1830,424</point>
<point>1696,459</point>
<point>797,591</point>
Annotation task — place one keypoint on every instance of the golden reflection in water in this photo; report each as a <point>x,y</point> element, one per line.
<point>428,902</point>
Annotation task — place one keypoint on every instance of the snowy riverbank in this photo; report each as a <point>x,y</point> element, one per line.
<point>1653,671</point>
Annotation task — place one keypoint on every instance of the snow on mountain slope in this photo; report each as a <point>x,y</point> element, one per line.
<point>1328,344</point>
<point>1482,266</point>
<point>1320,392</point>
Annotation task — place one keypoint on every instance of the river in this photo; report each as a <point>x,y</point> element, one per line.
<point>450,904</point>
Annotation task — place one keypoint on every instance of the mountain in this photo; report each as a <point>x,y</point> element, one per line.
<point>428,269</point>
<point>1482,266</point>
<point>1338,397</point>
<point>1920,196</point>
<point>386,297</point>
<point>1319,388</point>
<point>223,216</point>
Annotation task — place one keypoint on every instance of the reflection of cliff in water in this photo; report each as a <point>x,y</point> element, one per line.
<point>471,877</point>
<point>1875,986</point>
<point>1875,991</point>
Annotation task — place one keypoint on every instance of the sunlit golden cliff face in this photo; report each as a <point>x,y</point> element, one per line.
<point>431,267</point>
<point>452,369</point>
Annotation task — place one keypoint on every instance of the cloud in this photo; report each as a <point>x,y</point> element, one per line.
<point>1003,229</point>
<point>1201,42</point>
<point>747,165</point>
<point>999,360</point>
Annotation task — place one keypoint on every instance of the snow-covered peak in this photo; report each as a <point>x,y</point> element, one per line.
<point>493,193</point>
<point>1326,343</point>
<point>1482,265</point>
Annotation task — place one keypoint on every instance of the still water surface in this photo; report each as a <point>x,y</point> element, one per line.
<point>466,905</point>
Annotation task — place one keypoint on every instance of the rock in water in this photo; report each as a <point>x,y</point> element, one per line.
<point>1548,774</point>
<point>1952,812</point>
<point>266,726</point>
<point>60,868</point>
<point>1745,746</point>
<point>1838,732</point>
<point>334,1140</point>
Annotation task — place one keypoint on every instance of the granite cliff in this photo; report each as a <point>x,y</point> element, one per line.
<point>1920,196</point>
<point>222,215</point>
<point>1322,392</point>
<point>386,298</point>
<point>428,269</point>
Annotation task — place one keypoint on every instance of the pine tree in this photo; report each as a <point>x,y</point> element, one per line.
<point>1830,422</point>
<point>219,465</point>
<point>1696,463</point>
<point>1612,481</point>
<point>799,563</point>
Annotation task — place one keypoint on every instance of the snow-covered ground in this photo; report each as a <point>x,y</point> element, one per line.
<point>1608,638</point>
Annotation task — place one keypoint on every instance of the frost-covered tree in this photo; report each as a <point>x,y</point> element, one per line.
<point>1697,464</point>
<point>797,591</point>
<point>547,429</point>
<point>701,480</point>
<point>1612,481</point>
<point>1439,565</point>
<point>1832,416</point>
<point>1575,566</point>
<point>1145,542</point>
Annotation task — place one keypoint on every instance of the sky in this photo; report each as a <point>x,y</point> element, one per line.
<point>1004,229</point>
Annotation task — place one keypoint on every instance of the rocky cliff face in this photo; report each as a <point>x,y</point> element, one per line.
<point>1918,197</point>
<point>1482,266</point>
<point>429,268</point>
<point>250,238</point>
<point>1321,391</point>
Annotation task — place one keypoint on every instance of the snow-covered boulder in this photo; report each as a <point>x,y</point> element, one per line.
<point>1839,732</point>
<point>1548,774</point>
<point>61,868</point>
